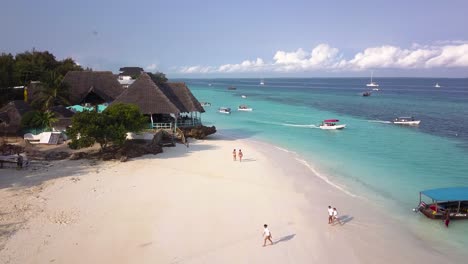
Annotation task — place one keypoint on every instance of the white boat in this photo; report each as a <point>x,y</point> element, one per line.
<point>437,85</point>
<point>209,84</point>
<point>329,124</point>
<point>224,110</point>
<point>244,108</point>
<point>406,120</point>
<point>243,96</point>
<point>372,84</point>
<point>205,104</point>
<point>262,82</point>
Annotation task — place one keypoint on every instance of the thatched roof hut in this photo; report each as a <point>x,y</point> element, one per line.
<point>93,87</point>
<point>148,96</point>
<point>64,117</point>
<point>10,116</point>
<point>180,96</point>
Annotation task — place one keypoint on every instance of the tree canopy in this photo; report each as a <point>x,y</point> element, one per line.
<point>158,77</point>
<point>109,127</point>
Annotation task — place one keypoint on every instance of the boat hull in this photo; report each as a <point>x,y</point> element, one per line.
<point>245,109</point>
<point>332,127</point>
<point>440,214</point>
<point>409,123</point>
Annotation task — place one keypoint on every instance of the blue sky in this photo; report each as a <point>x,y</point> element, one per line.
<point>247,38</point>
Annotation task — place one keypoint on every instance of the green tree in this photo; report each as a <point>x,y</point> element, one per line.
<point>158,78</point>
<point>36,119</point>
<point>108,127</point>
<point>53,92</point>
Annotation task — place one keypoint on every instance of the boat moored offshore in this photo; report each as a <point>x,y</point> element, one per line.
<point>406,120</point>
<point>224,110</point>
<point>331,124</point>
<point>244,108</point>
<point>444,201</point>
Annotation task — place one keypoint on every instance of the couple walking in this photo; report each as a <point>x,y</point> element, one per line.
<point>234,155</point>
<point>332,215</point>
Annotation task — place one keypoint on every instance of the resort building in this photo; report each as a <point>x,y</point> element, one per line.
<point>163,106</point>
<point>128,75</point>
<point>91,88</point>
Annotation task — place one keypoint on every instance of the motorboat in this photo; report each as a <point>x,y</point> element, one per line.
<point>331,124</point>
<point>372,83</point>
<point>437,85</point>
<point>231,88</point>
<point>375,89</point>
<point>244,108</point>
<point>243,96</point>
<point>452,201</point>
<point>224,110</point>
<point>205,104</point>
<point>367,93</point>
<point>406,120</point>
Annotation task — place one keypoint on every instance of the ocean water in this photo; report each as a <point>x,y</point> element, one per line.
<point>372,158</point>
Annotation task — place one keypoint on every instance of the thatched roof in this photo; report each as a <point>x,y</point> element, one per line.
<point>180,96</point>
<point>11,116</point>
<point>148,96</point>
<point>62,112</point>
<point>102,83</point>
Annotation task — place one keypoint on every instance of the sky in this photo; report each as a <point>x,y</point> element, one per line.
<point>247,38</point>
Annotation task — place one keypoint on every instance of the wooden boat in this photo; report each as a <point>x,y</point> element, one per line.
<point>452,201</point>
<point>366,94</point>
<point>205,103</point>
<point>224,110</point>
<point>244,108</point>
<point>329,124</point>
<point>231,88</point>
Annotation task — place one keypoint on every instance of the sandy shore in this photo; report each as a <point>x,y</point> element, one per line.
<point>194,205</point>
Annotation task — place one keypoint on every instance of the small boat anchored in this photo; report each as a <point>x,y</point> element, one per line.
<point>224,110</point>
<point>367,93</point>
<point>331,124</point>
<point>452,201</point>
<point>205,103</point>
<point>262,82</point>
<point>406,120</point>
<point>243,96</point>
<point>437,85</point>
<point>232,88</point>
<point>244,108</point>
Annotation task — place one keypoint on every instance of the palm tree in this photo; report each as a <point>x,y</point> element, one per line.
<point>53,91</point>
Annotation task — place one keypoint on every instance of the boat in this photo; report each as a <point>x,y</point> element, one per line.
<point>331,124</point>
<point>209,84</point>
<point>231,88</point>
<point>437,85</point>
<point>452,201</point>
<point>244,108</point>
<point>205,104</point>
<point>262,82</point>
<point>243,96</point>
<point>406,120</point>
<point>224,110</point>
<point>375,89</point>
<point>372,84</point>
<point>367,93</point>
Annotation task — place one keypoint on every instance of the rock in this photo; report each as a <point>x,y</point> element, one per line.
<point>56,155</point>
<point>78,155</point>
<point>199,132</point>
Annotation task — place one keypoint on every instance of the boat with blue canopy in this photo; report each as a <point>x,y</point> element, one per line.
<point>452,201</point>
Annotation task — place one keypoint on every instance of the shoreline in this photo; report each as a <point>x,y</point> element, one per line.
<point>211,213</point>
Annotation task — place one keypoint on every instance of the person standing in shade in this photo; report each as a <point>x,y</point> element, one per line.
<point>330,214</point>
<point>240,155</point>
<point>19,161</point>
<point>234,155</point>
<point>266,235</point>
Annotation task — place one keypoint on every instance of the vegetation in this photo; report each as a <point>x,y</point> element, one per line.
<point>158,78</point>
<point>53,91</point>
<point>29,66</point>
<point>36,119</point>
<point>108,127</point>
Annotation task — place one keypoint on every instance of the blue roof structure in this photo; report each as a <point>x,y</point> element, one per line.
<point>448,194</point>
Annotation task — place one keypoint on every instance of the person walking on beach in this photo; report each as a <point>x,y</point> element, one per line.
<point>447,218</point>
<point>266,235</point>
<point>234,155</point>
<point>240,155</point>
<point>335,216</point>
<point>330,214</point>
<point>19,161</point>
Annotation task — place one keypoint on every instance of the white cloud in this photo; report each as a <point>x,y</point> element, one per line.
<point>325,57</point>
<point>151,67</point>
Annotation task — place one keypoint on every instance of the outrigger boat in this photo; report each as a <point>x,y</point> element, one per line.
<point>205,103</point>
<point>331,124</point>
<point>408,120</point>
<point>453,201</point>
<point>244,108</point>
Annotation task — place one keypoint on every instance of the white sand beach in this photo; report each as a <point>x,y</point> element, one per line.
<point>195,205</point>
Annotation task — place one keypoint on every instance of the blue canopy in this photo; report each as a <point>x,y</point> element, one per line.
<point>448,194</point>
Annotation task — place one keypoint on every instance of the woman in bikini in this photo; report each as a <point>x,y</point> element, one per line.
<point>234,155</point>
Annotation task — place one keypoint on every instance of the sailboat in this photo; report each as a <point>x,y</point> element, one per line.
<point>437,85</point>
<point>262,82</point>
<point>373,84</point>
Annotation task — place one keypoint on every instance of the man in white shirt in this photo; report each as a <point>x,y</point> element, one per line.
<point>335,216</point>
<point>266,235</point>
<point>330,214</point>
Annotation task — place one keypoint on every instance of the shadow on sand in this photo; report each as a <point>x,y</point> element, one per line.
<point>284,239</point>
<point>343,220</point>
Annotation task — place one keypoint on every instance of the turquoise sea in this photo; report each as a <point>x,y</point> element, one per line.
<point>372,158</point>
